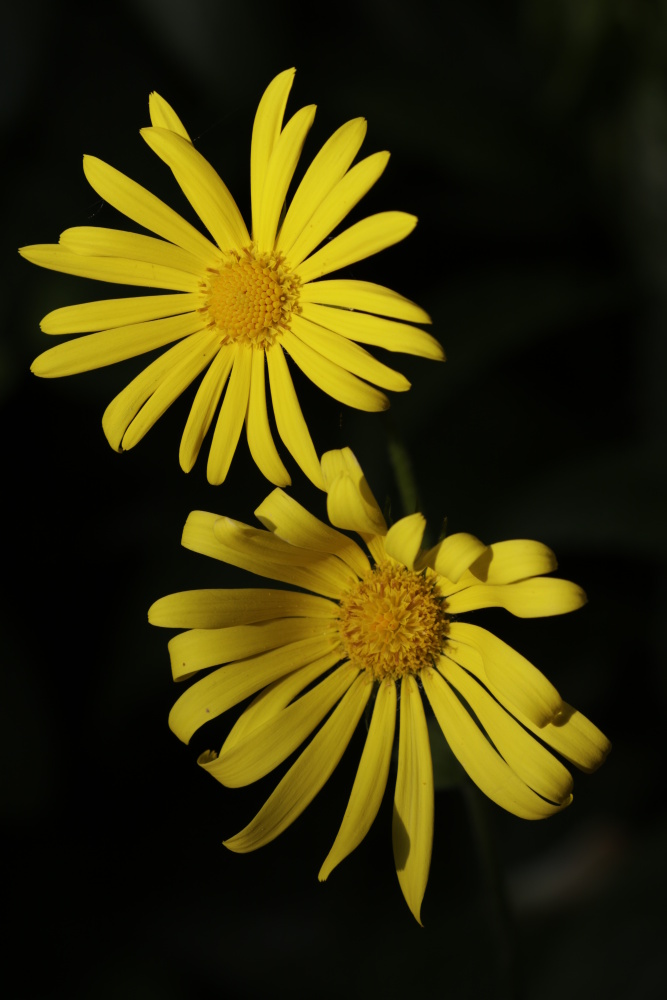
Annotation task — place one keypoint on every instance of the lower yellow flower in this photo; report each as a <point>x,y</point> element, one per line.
<point>378,626</point>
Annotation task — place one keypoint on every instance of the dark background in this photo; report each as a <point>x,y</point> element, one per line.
<point>531,140</point>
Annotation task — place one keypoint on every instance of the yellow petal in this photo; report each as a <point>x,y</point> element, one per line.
<point>361,240</point>
<point>324,172</point>
<point>403,540</point>
<point>287,519</point>
<point>220,690</point>
<point>291,425</point>
<point>370,782</point>
<point>270,744</point>
<point>373,330</point>
<point>138,204</point>
<point>114,269</point>
<point>87,317</point>
<point>202,186</point>
<point>96,350</point>
<point>265,132</point>
<point>535,598</point>
<point>350,503</point>
<point>221,608</point>
<point>308,774</point>
<point>452,556</point>
<point>204,406</point>
<point>95,241</point>
<point>509,672</point>
<point>412,825</point>
<point>349,293</point>
<point>507,562</point>
<point>231,417</point>
<point>279,173</point>
<point>258,431</point>
<point>474,752</point>
<point>347,193</point>
<point>575,738</point>
<point>332,379</point>
<point>163,116</point>
<point>347,355</point>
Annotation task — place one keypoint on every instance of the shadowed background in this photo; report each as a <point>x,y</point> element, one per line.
<point>531,140</point>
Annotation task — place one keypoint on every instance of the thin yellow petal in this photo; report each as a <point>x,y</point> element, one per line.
<point>574,737</point>
<point>350,502</point>
<point>536,598</point>
<point>204,406</point>
<point>202,186</point>
<point>342,352</point>
<point>349,293</point>
<point>507,562</point>
<point>361,240</point>
<point>324,172</point>
<point>291,425</point>
<point>412,825</point>
<point>163,116</point>
<point>265,133</point>
<point>370,782</point>
<point>478,757</point>
<point>373,330</point>
<point>87,317</point>
<point>113,269</point>
<point>95,241</point>
<point>260,440</point>
<point>279,173</point>
<point>138,204</point>
<point>403,540</point>
<point>453,555</point>
<point>333,379</point>
<point>347,193</point>
<point>222,608</point>
<point>231,417</point>
<point>96,350</point>
<point>308,774</point>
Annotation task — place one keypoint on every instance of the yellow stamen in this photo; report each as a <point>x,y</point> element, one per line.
<point>251,298</point>
<point>393,622</point>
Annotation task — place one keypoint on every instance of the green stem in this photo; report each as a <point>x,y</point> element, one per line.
<point>402,467</point>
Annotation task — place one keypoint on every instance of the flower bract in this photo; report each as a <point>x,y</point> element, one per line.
<point>237,302</point>
<point>379,627</point>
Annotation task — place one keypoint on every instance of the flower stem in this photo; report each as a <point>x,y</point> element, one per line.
<point>402,467</point>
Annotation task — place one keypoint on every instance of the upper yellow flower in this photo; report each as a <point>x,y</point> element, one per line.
<point>377,629</point>
<point>240,298</point>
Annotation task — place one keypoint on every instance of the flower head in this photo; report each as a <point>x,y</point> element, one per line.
<point>375,625</point>
<point>239,300</point>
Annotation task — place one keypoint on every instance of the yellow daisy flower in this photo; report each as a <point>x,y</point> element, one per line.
<point>379,626</point>
<point>242,298</point>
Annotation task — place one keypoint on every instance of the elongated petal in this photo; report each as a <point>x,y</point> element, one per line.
<point>88,317</point>
<point>271,743</point>
<point>279,173</point>
<point>324,172</point>
<point>374,330</point>
<point>231,417</point>
<point>291,425</point>
<point>348,192</point>
<point>308,774</point>
<point>350,502</point>
<point>403,540</point>
<point>575,738</point>
<point>540,770</point>
<point>521,682</point>
<point>333,379</point>
<point>364,238</point>
<point>349,293</point>
<point>95,241</point>
<point>347,355</point>
<point>222,608</point>
<point>412,826</point>
<point>114,269</point>
<point>96,350</point>
<point>288,520</point>
<point>138,204</point>
<point>204,406</point>
<point>260,440</point>
<point>202,186</point>
<point>163,116</point>
<point>536,598</point>
<point>453,555</point>
<point>265,132</point>
<point>507,562</point>
<point>478,757</point>
<point>123,408</point>
<point>370,782</point>
<point>220,690</point>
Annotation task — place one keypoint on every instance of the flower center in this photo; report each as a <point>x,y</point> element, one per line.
<point>393,622</point>
<point>251,297</point>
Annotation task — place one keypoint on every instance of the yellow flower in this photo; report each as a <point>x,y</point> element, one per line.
<point>241,298</point>
<point>380,629</point>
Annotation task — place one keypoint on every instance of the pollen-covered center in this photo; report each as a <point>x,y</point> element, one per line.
<point>250,298</point>
<point>393,622</point>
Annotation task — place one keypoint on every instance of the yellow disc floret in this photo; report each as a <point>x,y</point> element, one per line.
<point>393,622</point>
<point>250,298</point>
